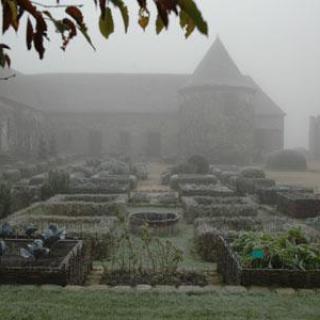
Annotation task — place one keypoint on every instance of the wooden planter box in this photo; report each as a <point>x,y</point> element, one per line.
<point>233,274</point>
<point>269,195</point>
<point>211,207</point>
<point>299,205</point>
<point>67,264</point>
<point>252,185</point>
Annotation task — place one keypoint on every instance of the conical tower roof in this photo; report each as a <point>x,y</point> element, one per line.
<point>217,69</point>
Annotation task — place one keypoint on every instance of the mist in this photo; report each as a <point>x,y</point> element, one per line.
<point>158,177</point>
<point>275,42</point>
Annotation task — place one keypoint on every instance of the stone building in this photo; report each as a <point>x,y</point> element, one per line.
<point>217,116</point>
<point>159,115</point>
<point>21,127</point>
<point>314,137</point>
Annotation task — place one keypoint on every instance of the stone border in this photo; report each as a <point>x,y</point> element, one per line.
<point>211,289</point>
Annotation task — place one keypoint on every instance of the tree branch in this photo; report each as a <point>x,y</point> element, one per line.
<point>8,77</point>
<point>55,6</point>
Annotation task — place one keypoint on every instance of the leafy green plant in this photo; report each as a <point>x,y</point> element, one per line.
<point>137,255</point>
<point>291,250</point>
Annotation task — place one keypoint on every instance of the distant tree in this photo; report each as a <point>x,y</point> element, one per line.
<point>38,14</point>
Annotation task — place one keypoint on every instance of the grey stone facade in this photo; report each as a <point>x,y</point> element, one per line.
<point>216,111</point>
<point>314,139</point>
<point>20,128</point>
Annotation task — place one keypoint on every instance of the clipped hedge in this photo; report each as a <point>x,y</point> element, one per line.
<point>287,160</point>
<point>206,242</point>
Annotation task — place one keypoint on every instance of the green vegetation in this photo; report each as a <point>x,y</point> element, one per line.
<point>148,259</point>
<point>35,304</point>
<point>291,251</point>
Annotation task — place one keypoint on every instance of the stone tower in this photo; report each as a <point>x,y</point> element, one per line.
<point>216,112</point>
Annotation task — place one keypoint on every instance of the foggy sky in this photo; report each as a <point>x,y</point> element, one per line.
<point>277,42</point>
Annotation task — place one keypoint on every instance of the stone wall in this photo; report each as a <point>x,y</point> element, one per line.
<point>217,122</point>
<point>20,130</point>
<point>269,134</point>
<point>122,133</point>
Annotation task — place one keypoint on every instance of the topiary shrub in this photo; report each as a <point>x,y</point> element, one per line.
<point>194,165</point>
<point>287,160</point>
<point>253,173</point>
<point>200,164</point>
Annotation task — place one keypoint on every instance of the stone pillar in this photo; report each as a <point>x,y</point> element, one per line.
<point>314,137</point>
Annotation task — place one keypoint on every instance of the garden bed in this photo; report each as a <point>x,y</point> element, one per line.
<point>66,264</point>
<point>75,219</point>
<point>93,198</point>
<point>190,190</point>
<point>252,185</point>
<point>299,205</point>
<point>158,199</point>
<point>178,278</point>
<point>195,179</point>
<point>159,222</point>
<point>200,206</point>
<point>234,273</point>
<point>105,185</point>
<point>269,195</point>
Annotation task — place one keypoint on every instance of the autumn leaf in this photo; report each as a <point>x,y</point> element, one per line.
<point>190,8</point>
<point>124,12</point>
<point>106,24</point>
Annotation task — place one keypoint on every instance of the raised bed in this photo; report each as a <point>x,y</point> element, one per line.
<point>205,190</point>
<point>157,199</point>
<point>195,179</point>
<point>105,185</point>
<point>299,205</point>
<point>80,221</point>
<point>158,222</point>
<point>234,274</point>
<point>269,195</point>
<point>226,224</point>
<point>91,198</point>
<point>201,206</point>
<point>252,185</point>
<point>67,264</point>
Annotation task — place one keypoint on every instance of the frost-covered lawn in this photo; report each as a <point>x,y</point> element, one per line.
<point>309,178</point>
<point>38,304</point>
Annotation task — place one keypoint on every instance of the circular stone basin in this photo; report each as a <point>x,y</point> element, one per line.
<point>158,223</point>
